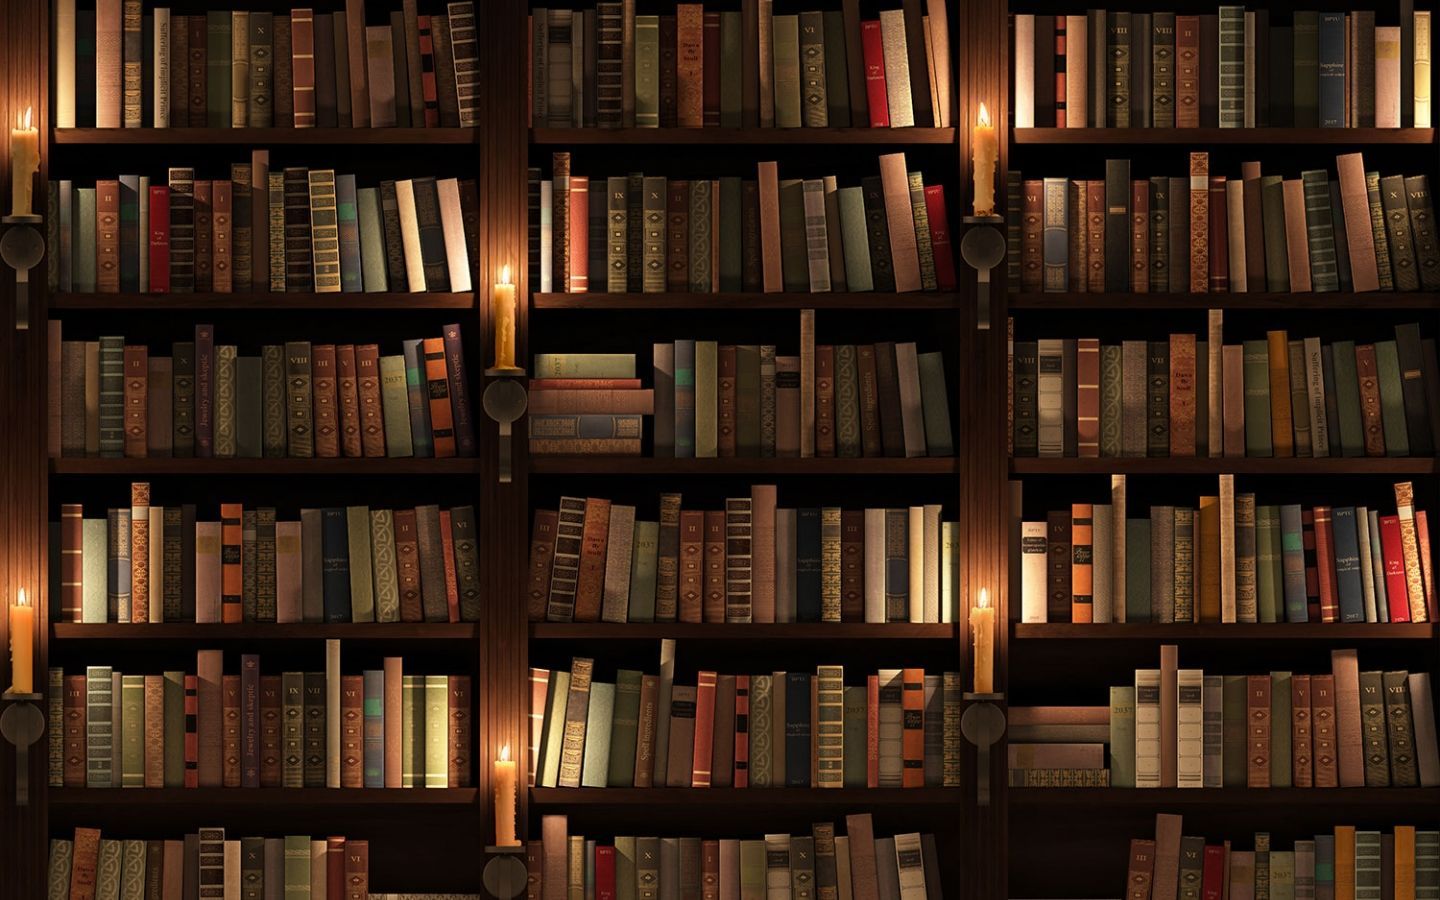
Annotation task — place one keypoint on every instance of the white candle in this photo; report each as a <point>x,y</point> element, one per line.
<point>24,162</point>
<point>982,631</point>
<point>504,321</point>
<point>506,781</point>
<point>22,645</point>
<point>985,151</point>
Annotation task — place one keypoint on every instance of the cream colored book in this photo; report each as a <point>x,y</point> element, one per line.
<point>874,566</point>
<point>232,870</point>
<point>1033,546</point>
<point>1422,69</point>
<point>931,568</point>
<point>897,68</point>
<point>437,731</point>
<point>938,19</point>
<point>318,882</point>
<point>410,235</point>
<point>452,223</point>
<point>910,863</point>
<point>1387,76</point>
<point>915,561</point>
<point>1023,62</point>
<point>1077,61</point>
<point>1235,243</point>
<point>64,13</point>
<point>899,217</point>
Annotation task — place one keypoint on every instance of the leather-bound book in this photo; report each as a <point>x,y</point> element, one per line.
<point>713,594</point>
<point>1178,252</point>
<point>204,235</point>
<point>1374,730</point>
<point>1160,226</point>
<point>1140,229</point>
<point>1401,731</point>
<point>1257,727</point>
<point>1095,219</point>
<point>135,399</point>
<point>1117,204</point>
<point>372,429</point>
<point>1182,399</point>
<point>1359,234</point>
<point>1032,243</point>
<point>1252,203</point>
<point>442,421</point>
<point>1348,718</point>
<point>1324,730</point>
<point>1422,225</point>
<point>1187,71</point>
<point>690,574</point>
<point>1368,377</point>
<point>1199,222</point>
<point>591,573</point>
<point>1087,373</point>
<point>1157,394</point>
<point>1140,872</point>
<point>1059,568</point>
<point>1296,236</point>
<point>1398,232</point>
<point>1219,270</point>
<point>1302,766</point>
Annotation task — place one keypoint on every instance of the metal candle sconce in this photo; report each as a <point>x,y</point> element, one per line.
<point>505,876</point>
<point>21,724</point>
<point>505,401</point>
<point>21,249</point>
<point>982,724</point>
<point>982,248</point>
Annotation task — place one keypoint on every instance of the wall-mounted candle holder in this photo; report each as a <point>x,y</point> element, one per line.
<point>505,875</point>
<point>505,401</point>
<point>22,248</point>
<point>982,724</point>
<point>982,248</point>
<point>21,724</point>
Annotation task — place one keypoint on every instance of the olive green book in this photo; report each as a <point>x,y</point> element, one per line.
<point>856,714</point>
<point>1280,760</point>
<point>731,261</point>
<point>224,425</point>
<point>935,406</point>
<point>1347,399</point>
<point>794,258</point>
<point>249,413</point>
<point>1111,381</point>
<point>923,247</point>
<point>624,729</point>
<point>1257,398</point>
<point>547,768</point>
<point>761,731</point>
<point>1122,736</point>
<point>644,557</point>
<point>837,86</point>
<point>297,867</point>
<point>174,729</point>
<point>813,80</point>
<point>1233,748</point>
<point>785,37</point>
<point>1277,253</point>
<point>372,240</point>
<point>132,869</point>
<point>747,400</point>
<point>855,240</point>
<point>395,403</point>
<point>217,69</point>
<point>362,594</point>
<point>1137,570</point>
<point>108,866</point>
<point>437,731</point>
<point>647,72</point>
<point>1269,589</point>
<point>132,734</point>
<point>1392,399</point>
<point>292,729</point>
<point>752,869</point>
<point>412,731</point>
<point>707,397</point>
<point>595,771</point>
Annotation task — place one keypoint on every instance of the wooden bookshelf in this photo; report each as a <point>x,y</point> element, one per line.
<point>766,467</point>
<point>1239,800</point>
<point>261,137</point>
<point>1179,465</point>
<point>291,800</point>
<point>268,302</point>
<point>796,631</point>
<point>266,631</point>
<point>1147,632</point>
<point>130,468</point>
<point>828,137</point>
<point>1163,303</point>
<point>871,301</point>
<point>1196,137</point>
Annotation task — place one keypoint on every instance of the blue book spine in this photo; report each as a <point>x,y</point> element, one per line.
<point>1292,563</point>
<point>797,729</point>
<point>807,565</point>
<point>335,565</point>
<point>1332,70</point>
<point>418,393</point>
<point>1347,564</point>
<point>684,399</point>
<point>373,726</point>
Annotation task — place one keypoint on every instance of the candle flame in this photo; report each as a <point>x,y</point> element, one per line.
<point>984,119</point>
<point>505,274</point>
<point>505,750</point>
<point>984,600</point>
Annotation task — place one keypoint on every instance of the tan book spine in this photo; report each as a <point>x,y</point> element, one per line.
<point>1359,233</point>
<point>1235,234</point>
<point>900,218</point>
<point>1387,76</point>
<point>1199,223</point>
<point>769,190</point>
<point>1077,66</point>
<point>1282,433</point>
<point>1227,548</point>
<point>1215,382</point>
<point>1410,550</point>
<point>1349,730</point>
<point>1233,385</point>
<point>762,553</point>
<point>1297,242</point>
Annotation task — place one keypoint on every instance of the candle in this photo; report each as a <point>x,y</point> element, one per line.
<point>22,645</point>
<point>504,309</point>
<point>982,631</point>
<point>506,780</point>
<point>985,150</point>
<point>24,162</point>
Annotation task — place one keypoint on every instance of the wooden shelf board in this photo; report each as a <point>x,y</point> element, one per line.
<point>292,800</point>
<point>691,800</point>
<point>1258,301</point>
<point>1200,136</point>
<point>646,465</point>
<point>266,631</point>
<point>1236,466</point>
<point>1287,631</point>
<point>749,301</point>
<point>104,137</point>
<point>798,631</point>
<point>1216,798</point>
<point>272,466</point>
<point>264,300</point>
<point>740,136</point>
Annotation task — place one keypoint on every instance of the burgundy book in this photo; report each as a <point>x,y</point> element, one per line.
<point>159,239</point>
<point>945,278</point>
<point>407,558</point>
<point>348,388</point>
<point>323,388</point>
<point>458,746</point>
<point>250,729</point>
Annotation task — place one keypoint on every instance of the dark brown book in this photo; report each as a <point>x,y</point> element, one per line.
<point>372,418</point>
<point>712,604</point>
<point>347,384</point>
<point>407,565</point>
<point>1302,746</point>
<point>1117,225</point>
<point>197,40</point>
<point>1219,236</point>
<point>1095,237</point>
<point>887,385</point>
<point>542,552</point>
<point>136,401</point>
<point>871,438</point>
<point>669,86</point>
<point>852,565</point>
<point>1141,870</point>
<point>1140,236</point>
<point>1257,731</point>
<point>677,235</point>
<point>1032,211</point>
<point>1370,415</point>
<point>1254,228</point>
<point>458,743</point>
<point>1058,566</point>
<point>690,590</point>
<point>824,400</point>
<point>326,402</point>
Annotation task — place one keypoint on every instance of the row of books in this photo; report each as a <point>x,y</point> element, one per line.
<point>610,68</point>
<point>788,729</point>
<point>297,399</point>
<point>592,560</point>
<point>295,729</point>
<point>1228,560</point>
<point>1186,396</point>
<point>1347,862</point>
<point>1227,69</point>
<point>1344,728</point>
<point>296,231</point>
<point>297,866</point>
<point>122,64</point>
<point>1358,232</point>
<point>855,864</point>
<point>654,234</point>
<point>152,563</point>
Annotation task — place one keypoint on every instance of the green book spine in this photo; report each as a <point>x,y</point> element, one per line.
<point>856,705</point>
<point>731,43</point>
<point>109,865</point>
<point>437,729</point>
<point>297,867</point>
<point>395,403</point>
<point>647,71</point>
<point>1307,69</point>
<point>1269,589</point>
<point>785,38</point>
<point>362,595</point>
<point>731,262</point>
<point>1111,381</point>
<point>624,729</point>
<point>1233,752</point>
<point>99,727</point>
<point>1122,736</point>
<point>174,705</point>
<point>1277,254</point>
<point>132,870</point>
<point>596,766</point>
<point>794,259</point>
<point>1347,399</point>
<point>83,258</point>
<point>412,732</point>
<point>752,869</point>
<point>225,378</point>
<point>1280,760</point>
<point>248,407</point>
<point>1377,229</point>
<point>617,236</point>
<point>373,261</point>
<point>1257,398</point>
<point>747,400</point>
<point>855,240</point>
<point>217,69</point>
<point>706,399</point>
<point>1392,400</point>
<point>643,561</point>
<point>700,228</point>
<point>1137,570</point>
<point>1232,66</point>
<point>761,731</point>
<point>935,405</point>
<point>1320,232</point>
<point>132,734</point>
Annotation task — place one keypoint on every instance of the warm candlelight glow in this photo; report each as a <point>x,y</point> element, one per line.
<point>982,632</point>
<point>22,645</point>
<point>985,152</point>
<point>505,753</point>
<point>24,161</point>
<point>506,784</point>
<point>503,321</point>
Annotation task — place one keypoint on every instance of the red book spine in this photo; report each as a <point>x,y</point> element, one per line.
<point>349,390</point>
<point>352,731</point>
<point>1061,66</point>
<point>231,563</point>
<point>192,734</point>
<point>1396,592</point>
<point>1219,237</point>
<point>579,234</point>
<point>1325,565</point>
<point>704,730</point>
<point>1212,882</point>
<point>159,238</point>
<point>940,237</point>
<point>447,550</point>
<point>912,705</point>
<point>334,869</point>
<point>604,873</point>
<point>458,747</point>
<point>742,731</point>
<point>873,51</point>
<point>872,731</point>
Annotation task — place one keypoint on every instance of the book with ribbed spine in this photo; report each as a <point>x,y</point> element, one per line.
<point>1232,66</point>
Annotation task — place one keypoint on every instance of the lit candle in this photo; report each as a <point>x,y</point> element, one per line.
<point>985,150</point>
<point>24,162</point>
<point>506,780</point>
<point>982,631</point>
<point>22,645</point>
<point>504,310</point>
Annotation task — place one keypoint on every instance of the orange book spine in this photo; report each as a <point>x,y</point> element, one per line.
<point>231,589</point>
<point>1082,569</point>
<point>912,705</point>
<point>442,420</point>
<point>704,730</point>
